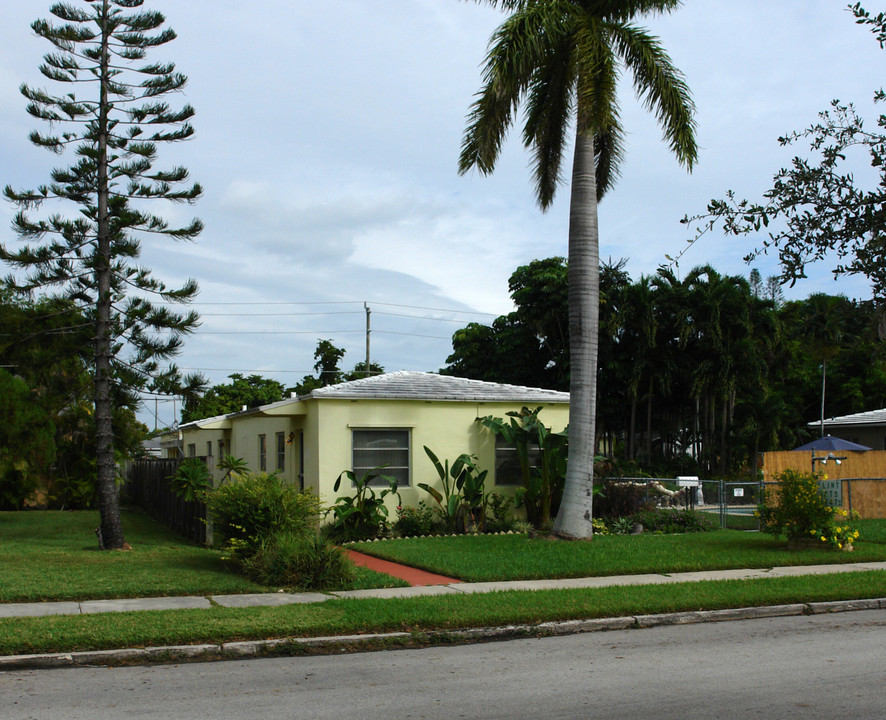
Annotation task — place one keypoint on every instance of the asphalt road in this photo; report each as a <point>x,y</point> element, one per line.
<point>823,666</point>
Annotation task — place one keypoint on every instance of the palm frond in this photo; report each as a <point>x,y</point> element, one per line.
<point>516,49</point>
<point>549,106</point>
<point>661,88</point>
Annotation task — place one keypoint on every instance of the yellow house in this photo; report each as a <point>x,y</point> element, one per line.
<point>362,424</point>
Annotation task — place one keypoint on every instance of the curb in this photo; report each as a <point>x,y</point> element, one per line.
<point>362,643</point>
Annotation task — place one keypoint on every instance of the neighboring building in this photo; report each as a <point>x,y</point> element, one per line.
<point>366,423</point>
<point>854,480</point>
<point>865,428</point>
<point>153,447</point>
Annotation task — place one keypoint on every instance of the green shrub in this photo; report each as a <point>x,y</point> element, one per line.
<point>299,561</point>
<point>501,510</point>
<point>798,510</point>
<point>622,525</point>
<point>673,521</point>
<point>254,506</point>
<point>190,480</point>
<point>417,521</point>
<point>363,515</point>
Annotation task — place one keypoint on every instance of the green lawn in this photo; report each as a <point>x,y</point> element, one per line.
<point>483,558</point>
<point>337,617</point>
<point>52,556</point>
<point>49,555</point>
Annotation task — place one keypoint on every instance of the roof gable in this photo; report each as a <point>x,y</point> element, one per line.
<point>871,417</point>
<point>405,385</point>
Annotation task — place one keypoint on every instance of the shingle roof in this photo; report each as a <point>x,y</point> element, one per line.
<point>404,385</point>
<point>871,417</point>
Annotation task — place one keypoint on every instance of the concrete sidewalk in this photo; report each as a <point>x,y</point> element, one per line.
<point>84,607</point>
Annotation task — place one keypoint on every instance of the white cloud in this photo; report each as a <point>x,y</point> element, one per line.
<point>328,136</point>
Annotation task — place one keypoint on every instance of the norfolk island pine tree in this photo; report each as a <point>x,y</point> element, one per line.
<point>560,59</point>
<point>114,117</point>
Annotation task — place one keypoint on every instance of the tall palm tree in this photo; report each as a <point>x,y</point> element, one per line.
<point>561,59</point>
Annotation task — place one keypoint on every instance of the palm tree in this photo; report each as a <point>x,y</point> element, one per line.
<point>560,58</point>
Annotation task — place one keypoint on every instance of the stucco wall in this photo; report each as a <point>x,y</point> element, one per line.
<point>447,428</point>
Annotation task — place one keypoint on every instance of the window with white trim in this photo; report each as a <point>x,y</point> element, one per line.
<point>281,452</point>
<point>507,464</point>
<point>375,447</point>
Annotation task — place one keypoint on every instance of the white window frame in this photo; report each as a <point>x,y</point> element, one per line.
<point>403,473</point>
<point>280,439</point>
<point>506,454</point>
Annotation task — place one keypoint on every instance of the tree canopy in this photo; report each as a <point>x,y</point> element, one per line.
<point>242,392</point>
<point>560,61</point>
<point>112,116</point>
<point>700,374</point>
<point>818,208</point>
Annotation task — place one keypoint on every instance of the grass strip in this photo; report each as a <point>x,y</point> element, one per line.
<point>456,611</point>
<point>484,558</point>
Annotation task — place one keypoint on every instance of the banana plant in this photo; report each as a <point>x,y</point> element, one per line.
<point>362,515</point>
<point>463,489</point>
<point>544,474</point>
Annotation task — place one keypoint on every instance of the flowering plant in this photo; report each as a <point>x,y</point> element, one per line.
<point>839,533</point>
<point>800,511</point>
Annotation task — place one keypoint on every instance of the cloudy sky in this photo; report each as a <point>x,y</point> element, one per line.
<point>327,140</point>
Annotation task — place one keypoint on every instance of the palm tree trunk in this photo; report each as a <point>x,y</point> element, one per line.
<point>649,422</point>
<point>575,516</point>
<point>824,372</point>
<point>632,428</point>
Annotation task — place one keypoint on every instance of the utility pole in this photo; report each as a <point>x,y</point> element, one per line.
<point>368,371</point>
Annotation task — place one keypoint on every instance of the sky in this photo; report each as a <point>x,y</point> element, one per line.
<point>327,141</point>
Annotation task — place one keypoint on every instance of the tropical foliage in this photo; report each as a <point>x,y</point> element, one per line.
<point>818,208</point>
<point>362,515</point>
<point>798,510</point>
<point>560,60</point>
<point>463,498</point>
<point>699,373</point>
<point>541,455</point>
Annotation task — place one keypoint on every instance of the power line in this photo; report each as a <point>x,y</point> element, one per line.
<point>294,314</point>
<point>338,302</point>
<point>393,332</point>
<point>276,332</point>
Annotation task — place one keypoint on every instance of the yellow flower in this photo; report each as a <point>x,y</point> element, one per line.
<point>823,538</point>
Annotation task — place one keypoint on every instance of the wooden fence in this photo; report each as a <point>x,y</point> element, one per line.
<point>147,486</point>
<point>862,475</point>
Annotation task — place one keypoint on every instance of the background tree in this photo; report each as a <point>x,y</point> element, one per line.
<point>560,59</point>
<point>26,442</point>
<point>113,115</point>
<point>529,346</point>
<point>46,344</point>
<point>699,375</point>
<point>327,358</point>
<point>359,371</point>
<point>224,398</point>
<point>816,208</point>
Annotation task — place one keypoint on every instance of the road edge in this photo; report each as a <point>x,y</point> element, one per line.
<point>375,641</point>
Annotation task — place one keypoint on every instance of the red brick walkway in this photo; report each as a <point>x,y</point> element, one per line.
<point>413,576</point>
